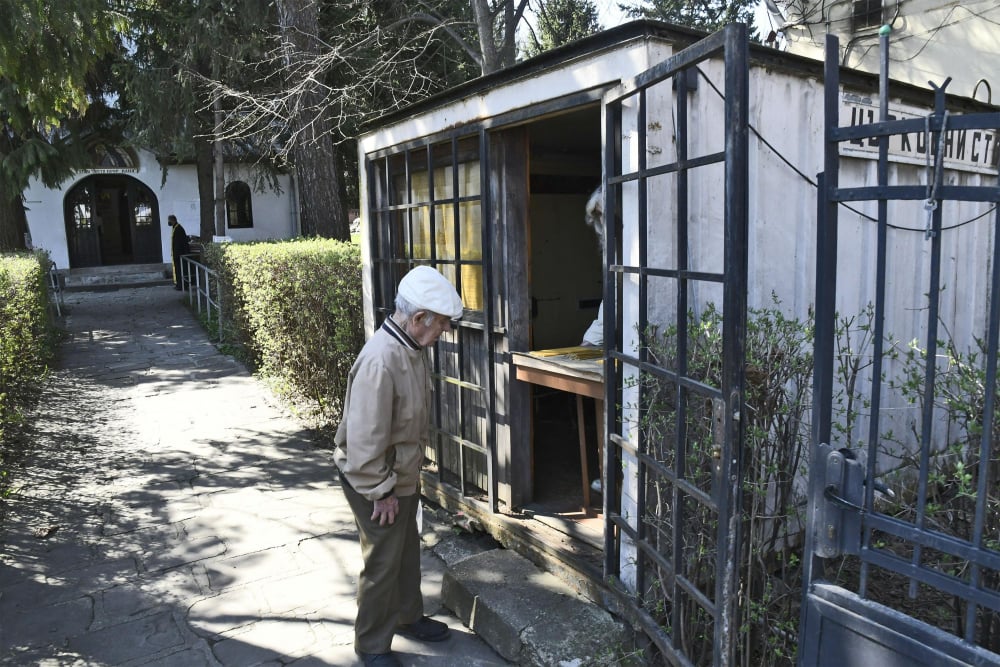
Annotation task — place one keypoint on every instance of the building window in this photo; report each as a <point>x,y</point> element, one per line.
<point>867,14</point>
<point>239,205</point>
<point>80,206</point>
<point>143,209</point>
<point>428,206</point>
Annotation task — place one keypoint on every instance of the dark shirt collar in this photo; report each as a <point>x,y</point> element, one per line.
<point>397,332</point>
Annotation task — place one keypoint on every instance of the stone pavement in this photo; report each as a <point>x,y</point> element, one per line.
<point>173,513</point>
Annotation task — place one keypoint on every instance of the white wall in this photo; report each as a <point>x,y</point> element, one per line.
<point>931,40</point>
<point>273,217</point>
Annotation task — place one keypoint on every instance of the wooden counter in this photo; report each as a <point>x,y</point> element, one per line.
<point>583,377</point>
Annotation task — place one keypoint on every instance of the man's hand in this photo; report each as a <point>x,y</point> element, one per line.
<point>386,510</point>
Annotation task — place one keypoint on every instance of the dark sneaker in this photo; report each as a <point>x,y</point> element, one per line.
<point>381,660</point>
<point>425,630</point>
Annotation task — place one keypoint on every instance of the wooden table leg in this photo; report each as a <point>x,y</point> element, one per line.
<point>582,427</point>
<point>599,417</point>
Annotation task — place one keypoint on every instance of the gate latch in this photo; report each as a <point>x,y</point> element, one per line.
<point>838,519</point>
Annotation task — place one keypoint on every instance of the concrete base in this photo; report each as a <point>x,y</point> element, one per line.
<point>528,616</point>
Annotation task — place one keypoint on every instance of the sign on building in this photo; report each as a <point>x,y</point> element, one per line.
<point>964,150</point>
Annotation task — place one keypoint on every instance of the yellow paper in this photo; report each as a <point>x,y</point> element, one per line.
<point>574,352</point>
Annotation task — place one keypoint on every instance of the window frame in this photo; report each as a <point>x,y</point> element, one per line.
<point>396,211</point>
<point>867,14</point>
<point>239,205</point>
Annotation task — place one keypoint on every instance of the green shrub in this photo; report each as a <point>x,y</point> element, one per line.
<point>295,306</point>
<point>952,495</point>
<point>26,341</point>
<point>779,367</point>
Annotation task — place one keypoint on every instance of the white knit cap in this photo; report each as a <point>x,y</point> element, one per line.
<point>427,289</point>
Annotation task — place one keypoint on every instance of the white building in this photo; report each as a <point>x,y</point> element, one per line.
<point>931,40</point>
<point>116,212</point>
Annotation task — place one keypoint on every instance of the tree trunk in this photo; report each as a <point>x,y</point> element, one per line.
<point>206,187</point>
<point>13,225</point>
<point>487,39</point>
<point>13,221</point>
<point>220,171</point>
<point>499,48</point>
<point>321,212</point>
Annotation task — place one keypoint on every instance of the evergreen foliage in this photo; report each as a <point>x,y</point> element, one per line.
<point>560,22</point>
<point>54,62</point>
<point>707,15</point>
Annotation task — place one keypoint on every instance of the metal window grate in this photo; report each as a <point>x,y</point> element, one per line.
<point>866,14</point>
<point>428,206</point>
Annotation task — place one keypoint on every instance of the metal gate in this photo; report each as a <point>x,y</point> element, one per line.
<point>672,467</point>
<point>903,535</point>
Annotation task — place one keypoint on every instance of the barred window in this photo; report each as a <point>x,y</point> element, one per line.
<point>427,209</point>
<point>866,14</point>
<point>143,209</point>
<point>80,205</point>
<point>239,205</point>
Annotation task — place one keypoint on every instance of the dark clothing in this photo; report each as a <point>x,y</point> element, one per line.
<point>179,246</point>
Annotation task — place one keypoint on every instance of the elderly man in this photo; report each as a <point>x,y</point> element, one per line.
<point>379,451</point>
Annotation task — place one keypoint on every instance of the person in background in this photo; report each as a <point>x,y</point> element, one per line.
<point>594,335</point>
<point>179,246</point>
<point>379,452</point>
<point>594,216</point>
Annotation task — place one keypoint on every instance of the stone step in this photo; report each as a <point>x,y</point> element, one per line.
<point>132,275</point>
<point>528,616</point>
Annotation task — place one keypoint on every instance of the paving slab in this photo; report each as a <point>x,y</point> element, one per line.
<point>171,512</point>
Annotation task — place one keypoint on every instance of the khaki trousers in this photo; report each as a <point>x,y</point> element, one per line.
<point>389,585</point>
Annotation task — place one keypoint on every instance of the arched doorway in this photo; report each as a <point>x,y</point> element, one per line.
<point>112,219</point>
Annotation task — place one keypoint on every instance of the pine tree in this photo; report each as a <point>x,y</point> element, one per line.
<point>707,15</point>
<point>53,67</point>
<point>560,22</point>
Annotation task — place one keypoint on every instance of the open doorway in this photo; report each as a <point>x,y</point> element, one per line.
<point>112,219</point>
<point>565,270</point>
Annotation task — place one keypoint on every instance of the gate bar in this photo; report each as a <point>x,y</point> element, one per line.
<point>986,441</point>
<point>933,308</point>
<point>878,342</point>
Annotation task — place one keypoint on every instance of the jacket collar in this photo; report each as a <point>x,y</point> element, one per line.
<point>396,331</point>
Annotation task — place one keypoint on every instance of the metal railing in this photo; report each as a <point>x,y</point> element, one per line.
<point>204,288</point>
<point>56,283</point>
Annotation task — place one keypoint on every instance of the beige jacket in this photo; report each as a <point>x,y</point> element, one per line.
<point>380,442</point>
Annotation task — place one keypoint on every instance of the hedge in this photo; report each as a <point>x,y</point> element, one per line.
<point>297,309</point>
<point>26,336</point>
